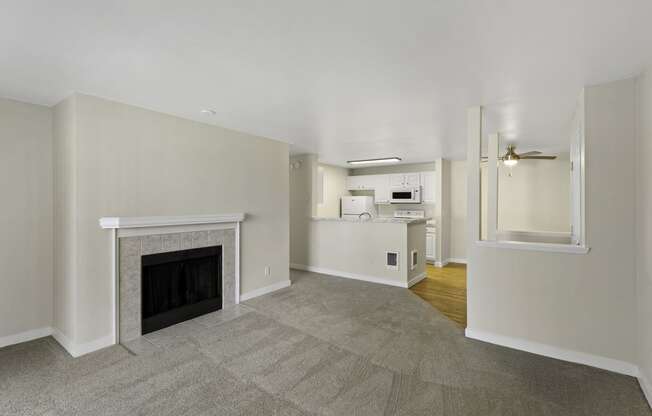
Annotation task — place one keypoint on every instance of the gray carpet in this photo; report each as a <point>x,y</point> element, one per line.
<point>324,346</point>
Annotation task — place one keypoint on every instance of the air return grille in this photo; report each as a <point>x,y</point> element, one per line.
<point>391,260</point>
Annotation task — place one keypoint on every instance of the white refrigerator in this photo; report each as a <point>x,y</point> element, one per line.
<point>355,206</point>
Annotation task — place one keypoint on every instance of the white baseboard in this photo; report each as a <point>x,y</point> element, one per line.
<point>645,386</point>
<point>347,275</point>
<point>597,361</point>
<point>416,279</point>
<point>265,290</point>
<point>441,263</point>
<point>77,350</point>
<point>25,336</point>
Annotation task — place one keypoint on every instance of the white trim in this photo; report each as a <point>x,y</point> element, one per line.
<point>165,221</point>
<point>347,275</point>
<point>597,361</point>
<point>520,245</point>
<point>456,260</point>
<point>416,279</point>
<point>77,350</point>
<point>265,290</point>
<point>237,263</point>
<point>115,287</point>
<point>645,386</point>
<point>441,263</point>
<point>25,336</point>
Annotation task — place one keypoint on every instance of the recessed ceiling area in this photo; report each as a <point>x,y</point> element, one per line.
<point>344,79</point>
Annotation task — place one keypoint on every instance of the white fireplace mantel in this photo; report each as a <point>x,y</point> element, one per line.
<point>165,221</point>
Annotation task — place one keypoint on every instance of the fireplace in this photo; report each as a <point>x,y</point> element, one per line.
<point>180,285</point>
<point>137,238</point>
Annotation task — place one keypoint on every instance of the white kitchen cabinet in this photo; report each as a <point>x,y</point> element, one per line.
<point>428,184</point>
<point>382,193</point>
<point>430,246</point>
<point>361,183</point>
<point>396,179</point>
<point>382,185</point>
<point>405,179</point>
<point>412,179</point>
<point>353,182</point>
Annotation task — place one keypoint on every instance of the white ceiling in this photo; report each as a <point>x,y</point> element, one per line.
<point>347,79</point>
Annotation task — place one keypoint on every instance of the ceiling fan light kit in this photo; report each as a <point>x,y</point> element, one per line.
<point>511,158</point>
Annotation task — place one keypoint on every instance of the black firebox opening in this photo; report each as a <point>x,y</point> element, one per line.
<point>180,285</point>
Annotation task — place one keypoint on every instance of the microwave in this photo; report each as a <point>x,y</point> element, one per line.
<point>405,195</point>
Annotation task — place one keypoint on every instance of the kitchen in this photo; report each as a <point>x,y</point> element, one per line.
<point>376,223</point>
<point>403,191</point>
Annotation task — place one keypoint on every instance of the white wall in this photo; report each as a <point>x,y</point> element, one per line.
<point>581,303</point>
<point>65,214</point>
<point>457,210</point>
<point>644,231</point>
<point>536,197</point>
<point>303,177</point>
<point>134,162</point>
<point>334,189</point>
<point>25,220</point>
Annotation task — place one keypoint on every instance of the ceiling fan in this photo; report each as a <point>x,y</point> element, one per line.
<point>511,158</point>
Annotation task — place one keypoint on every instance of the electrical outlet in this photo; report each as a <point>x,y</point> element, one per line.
<point>266,270</point>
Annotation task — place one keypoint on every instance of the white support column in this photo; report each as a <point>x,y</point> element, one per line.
<point>492,187</point>
<point>473,147</point>
<point>474,123</point>
<point>440,261</point>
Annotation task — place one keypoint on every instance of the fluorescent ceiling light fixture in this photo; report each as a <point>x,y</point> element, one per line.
<point>372,161</point>
<point>208,112</point>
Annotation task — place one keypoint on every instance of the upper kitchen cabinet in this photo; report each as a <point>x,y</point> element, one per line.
<point>382,185</point>
<point>361,183</point>
<point>412,179</point>
<point>428,184</point>
<point>382,192</point>
<point>405,179</point>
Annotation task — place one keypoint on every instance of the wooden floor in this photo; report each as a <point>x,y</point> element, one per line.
<point>445,289</point>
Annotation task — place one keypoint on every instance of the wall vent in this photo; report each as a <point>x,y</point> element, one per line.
<point>414,259</point>
<point>391,260</point>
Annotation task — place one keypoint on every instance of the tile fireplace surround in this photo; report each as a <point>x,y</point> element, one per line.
<point>134,237</point>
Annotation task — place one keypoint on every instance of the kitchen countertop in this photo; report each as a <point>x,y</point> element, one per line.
<point>378,220</point>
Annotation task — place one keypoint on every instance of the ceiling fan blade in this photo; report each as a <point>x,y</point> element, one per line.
<point>533,153</point>
<point>539,157</point>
